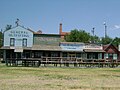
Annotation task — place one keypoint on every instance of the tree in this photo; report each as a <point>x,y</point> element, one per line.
<point>78,36</point>
<point>95,39</point>
<point>106,40</point>
<point>116,41</point>
<point>1,37</point>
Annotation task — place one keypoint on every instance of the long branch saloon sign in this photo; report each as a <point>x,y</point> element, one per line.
<point>72,46</point>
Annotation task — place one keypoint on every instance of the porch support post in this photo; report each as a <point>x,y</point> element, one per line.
<point>4,57</point>
<point>60,59</point>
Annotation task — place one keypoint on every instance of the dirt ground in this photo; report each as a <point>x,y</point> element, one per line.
<point>59,78</point>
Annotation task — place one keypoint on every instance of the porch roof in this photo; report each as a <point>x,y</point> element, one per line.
<point>9,47</point>
<point>34,47</point>
<point>50,48</point>
<point>46,47</point>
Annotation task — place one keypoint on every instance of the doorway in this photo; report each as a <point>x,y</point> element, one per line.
<point>71,56</point>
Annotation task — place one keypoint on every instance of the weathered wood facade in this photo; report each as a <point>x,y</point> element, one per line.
<point>111,53</point>
<point>23,47</point>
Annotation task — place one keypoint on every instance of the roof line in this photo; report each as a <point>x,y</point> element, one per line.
<point>21,27</point>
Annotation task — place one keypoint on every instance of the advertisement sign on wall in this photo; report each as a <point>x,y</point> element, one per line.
<point>72,46</point>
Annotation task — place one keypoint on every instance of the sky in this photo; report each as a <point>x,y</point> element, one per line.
<point>46,15</point>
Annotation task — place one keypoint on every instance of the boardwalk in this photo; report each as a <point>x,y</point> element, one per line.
<point>60,61</point>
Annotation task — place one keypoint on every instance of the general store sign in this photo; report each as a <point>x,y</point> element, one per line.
<point>18,33</point>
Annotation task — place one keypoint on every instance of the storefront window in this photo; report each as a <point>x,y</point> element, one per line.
<point>110,55</point>
<point>38,54</point>
<point>54,54</point>
<point>90,56</point>
<point>100,56</point>
<point>106,55</point>
<point>114,56</point>
<point>78,55</point>
<point>64,54</point>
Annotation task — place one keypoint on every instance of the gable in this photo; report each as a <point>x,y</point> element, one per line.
<point>111,49</point>
<point>18,33</point>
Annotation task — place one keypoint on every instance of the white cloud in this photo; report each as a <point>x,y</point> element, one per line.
<point>116,26</point>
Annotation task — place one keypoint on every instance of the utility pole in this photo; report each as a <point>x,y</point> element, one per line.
<point>93,31</point>
<point>105,26</point>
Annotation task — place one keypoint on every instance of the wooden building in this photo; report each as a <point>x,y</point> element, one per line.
<point>111,53</point>
<point>72,49</point>
<point>94,52</point>
<point>23,44</point>
<point>20,42</point>
<point>17,41</point>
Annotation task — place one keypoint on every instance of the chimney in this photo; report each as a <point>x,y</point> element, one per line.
<point>60,31</point>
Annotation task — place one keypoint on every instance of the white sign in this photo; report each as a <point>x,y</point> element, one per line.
<point>93,47</point>
<point>18,49</point>
<point>72,47</point>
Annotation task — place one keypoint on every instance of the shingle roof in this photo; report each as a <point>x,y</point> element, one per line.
<point>46,47</point>
<point>108,45</point>
<point>9,47</point>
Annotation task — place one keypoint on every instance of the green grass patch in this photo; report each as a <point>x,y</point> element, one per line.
<point>57,78</point>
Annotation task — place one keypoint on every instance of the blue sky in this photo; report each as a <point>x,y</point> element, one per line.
<point>46,15</point>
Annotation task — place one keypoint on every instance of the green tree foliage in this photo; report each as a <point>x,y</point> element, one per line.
<point>1,37</point>
<point>95,39</point>
<point>82,36</point>
<point>106,40</point>
<point>116,41</point>
<point>77,36</point>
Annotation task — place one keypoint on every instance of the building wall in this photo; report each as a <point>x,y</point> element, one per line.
<point>94,51</point>
<point>46,39</point>
<point>18,33</point>
<point>112,52</point>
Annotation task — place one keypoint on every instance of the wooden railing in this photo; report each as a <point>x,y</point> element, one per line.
<point>66,61</point>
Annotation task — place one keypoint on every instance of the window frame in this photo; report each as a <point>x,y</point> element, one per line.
<point>24,42</point>
<point>12,41</point>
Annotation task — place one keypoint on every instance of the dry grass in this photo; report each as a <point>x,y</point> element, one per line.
<point>52,78</point>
